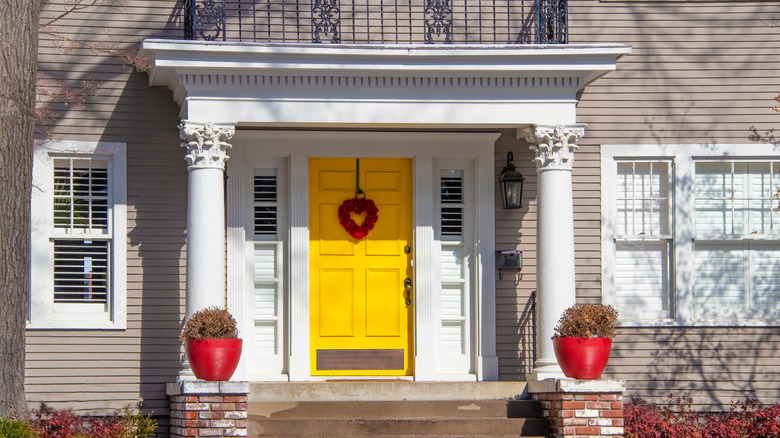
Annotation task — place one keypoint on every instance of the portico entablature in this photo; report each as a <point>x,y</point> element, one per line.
<point>422,85</point>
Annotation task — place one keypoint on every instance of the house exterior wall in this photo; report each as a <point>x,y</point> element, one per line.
<point>102,370</point>
<point>699,73</point>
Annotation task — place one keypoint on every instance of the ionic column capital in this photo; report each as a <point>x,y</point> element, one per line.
<point>206,143</point>
<point>554,145</point>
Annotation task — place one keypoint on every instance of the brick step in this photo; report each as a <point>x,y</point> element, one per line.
<point>397,409</point>
<point>413,427</point>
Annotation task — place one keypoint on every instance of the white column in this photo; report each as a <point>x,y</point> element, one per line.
<point>424,296</point>
<point>207,146</point>
<point>299,367</point>
<point>554,147</point>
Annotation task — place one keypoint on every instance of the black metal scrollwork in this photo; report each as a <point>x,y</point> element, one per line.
<point>210,19</point>
<point>438,20</point>
<point>326,18</point>
<point>552,27</point>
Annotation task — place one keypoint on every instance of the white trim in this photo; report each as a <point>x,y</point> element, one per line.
<point>43,313</point>
<point>266,84</point>
<point>298,146</point>
<point>684,157</point>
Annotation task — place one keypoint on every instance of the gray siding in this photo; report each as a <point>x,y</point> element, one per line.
<point>97,371</point>
<point>699,72</point>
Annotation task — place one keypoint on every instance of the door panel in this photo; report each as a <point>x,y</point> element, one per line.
<point>360,322</point>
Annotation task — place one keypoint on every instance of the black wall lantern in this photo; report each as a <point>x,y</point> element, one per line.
<point>511,184</point>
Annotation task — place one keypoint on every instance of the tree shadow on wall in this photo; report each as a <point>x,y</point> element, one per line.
<point>713,363</point>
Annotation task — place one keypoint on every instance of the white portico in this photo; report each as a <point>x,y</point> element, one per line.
<point>360,101</point>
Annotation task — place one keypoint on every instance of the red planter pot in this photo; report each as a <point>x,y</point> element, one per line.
<point>582,358</point>
<point>213,359</point>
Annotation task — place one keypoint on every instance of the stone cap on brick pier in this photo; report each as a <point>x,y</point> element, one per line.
<point>203,387</point>
<point>580,386</point>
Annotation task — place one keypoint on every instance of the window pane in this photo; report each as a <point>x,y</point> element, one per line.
<point>759,205</point>
<point>765,278</point>
<point>80,194</point>
<point>642,277</point>
<point>720,275</point>
<point>643,198</point>
<point>451,195</point>
<point>265,209</point>
<point>736,198</point>
<point>81,271</point>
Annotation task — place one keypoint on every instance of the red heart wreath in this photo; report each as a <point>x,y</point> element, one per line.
<point>358,206</point>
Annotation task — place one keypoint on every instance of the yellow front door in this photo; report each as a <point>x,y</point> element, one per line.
<point>361,321</point>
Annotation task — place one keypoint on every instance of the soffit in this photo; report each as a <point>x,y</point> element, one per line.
<point>320,85</point>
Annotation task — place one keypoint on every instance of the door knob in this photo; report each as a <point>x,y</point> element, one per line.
<point>408,290</point>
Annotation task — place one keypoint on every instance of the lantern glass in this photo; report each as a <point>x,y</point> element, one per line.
<point>513,193</point>
<point>511,185</point>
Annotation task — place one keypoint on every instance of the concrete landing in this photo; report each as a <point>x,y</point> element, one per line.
<point>384,391</point>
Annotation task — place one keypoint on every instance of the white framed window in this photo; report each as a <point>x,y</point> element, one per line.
<point>269,201</point>
<point>454,232</point>
<point>691,233</point>
<point>78,236</point>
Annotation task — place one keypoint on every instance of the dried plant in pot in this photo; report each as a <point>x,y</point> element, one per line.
<point>583,340</point>
<point>211,343</point>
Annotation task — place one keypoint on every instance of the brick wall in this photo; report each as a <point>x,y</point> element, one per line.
<point>208,409</point>
<point>581,408</point>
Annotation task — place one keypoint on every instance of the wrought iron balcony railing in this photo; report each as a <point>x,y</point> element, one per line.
<point>378,21</point>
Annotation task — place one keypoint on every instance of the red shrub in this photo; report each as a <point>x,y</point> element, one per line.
<point>49,423</point>
<point>125,423</point>
<point>748,419</point>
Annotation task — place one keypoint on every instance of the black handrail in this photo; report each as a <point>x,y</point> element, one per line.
<point>385,21</point>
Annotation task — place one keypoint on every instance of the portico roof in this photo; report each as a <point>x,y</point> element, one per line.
<point>266,84</point>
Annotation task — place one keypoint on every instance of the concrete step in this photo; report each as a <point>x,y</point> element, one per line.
<point>392,408</point>
<point>384,391</point>
<point>416,427</point>
<point>396,409</point>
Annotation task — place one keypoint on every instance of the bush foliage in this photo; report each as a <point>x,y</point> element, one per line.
<point>588,320</point>
<point>747,419</point>
<point>124,423</point>
<point>15,429</point>
<point>210,323</point>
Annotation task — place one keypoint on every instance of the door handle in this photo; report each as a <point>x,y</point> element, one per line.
<point>408,290</point>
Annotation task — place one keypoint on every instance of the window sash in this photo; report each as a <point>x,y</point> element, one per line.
<point>80,196</point>
<point>736,198</point>
<point>644,199</point>
<point>82,271</point>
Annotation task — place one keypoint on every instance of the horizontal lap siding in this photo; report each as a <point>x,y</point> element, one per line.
<point>98,371</point>
<point>699,72</point>
<point>516,229</point>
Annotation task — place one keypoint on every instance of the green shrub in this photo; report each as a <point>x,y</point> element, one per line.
<point>15,429</point>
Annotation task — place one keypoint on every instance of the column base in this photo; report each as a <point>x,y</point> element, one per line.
<point>300,368</point>
<point>546,369</point>
<point>185,373</point>
<point>488,368</point>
